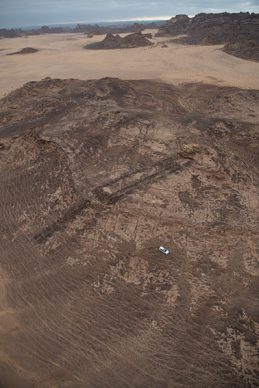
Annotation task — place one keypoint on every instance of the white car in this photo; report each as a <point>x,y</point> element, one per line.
<point>164,250</point>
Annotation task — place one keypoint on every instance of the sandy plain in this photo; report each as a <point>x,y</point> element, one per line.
<point>64,56</point>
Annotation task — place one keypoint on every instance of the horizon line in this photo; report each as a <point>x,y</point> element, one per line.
<point>135,19</point>
<point>144,18</point>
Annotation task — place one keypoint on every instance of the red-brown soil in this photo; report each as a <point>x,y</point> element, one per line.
<point>94,176</point>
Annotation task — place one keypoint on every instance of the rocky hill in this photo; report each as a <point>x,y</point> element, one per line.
<point>239,30</point>
<point>94,177</point>
<point>117,42</point>
<point>177,25</point>
<point>247,49</point>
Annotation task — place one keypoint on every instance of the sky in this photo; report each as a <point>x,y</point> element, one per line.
<point>22,13</point>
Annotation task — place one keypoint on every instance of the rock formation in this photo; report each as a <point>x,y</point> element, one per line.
<point>246,49</point>
<point>177,25</point>
<point>111,41</point>
<point>240,31</point>
<point>25,50</point>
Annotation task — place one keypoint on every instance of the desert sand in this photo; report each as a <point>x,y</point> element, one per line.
<point>64,56</point>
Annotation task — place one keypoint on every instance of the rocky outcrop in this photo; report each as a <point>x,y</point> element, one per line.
<point>117,42</point>
<point>96,175</point>
<point>213,28</point>
<point>10,33</point>
<point>175,26</point>
<point>25,50</point>
<point>223,28</point>
<point>247,49</point>
<point>148,35</point>
<point>239,31</point>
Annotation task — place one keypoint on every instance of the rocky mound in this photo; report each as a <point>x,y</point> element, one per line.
<point>213,28</point>
<point>94,177</point>
<point>247,49</point>
<point>239,30</point>
<point>177,25</point>
<point>224,27</point>
<point>117,42</point>
<point>148,35</point>
<point>25,50</point>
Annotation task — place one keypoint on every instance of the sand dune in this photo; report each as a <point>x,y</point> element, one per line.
<point>63,56</point>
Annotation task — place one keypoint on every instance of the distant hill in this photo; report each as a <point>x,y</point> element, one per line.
<point>96,29</point>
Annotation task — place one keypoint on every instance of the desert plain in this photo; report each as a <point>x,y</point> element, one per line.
<point>64,56</point>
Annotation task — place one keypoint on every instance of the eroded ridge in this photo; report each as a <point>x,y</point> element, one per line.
<point>94,177</point>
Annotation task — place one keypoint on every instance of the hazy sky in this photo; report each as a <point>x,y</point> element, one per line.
<point>38,12</point>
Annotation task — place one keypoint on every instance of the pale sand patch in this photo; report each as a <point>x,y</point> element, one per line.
<point>64,56</point>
